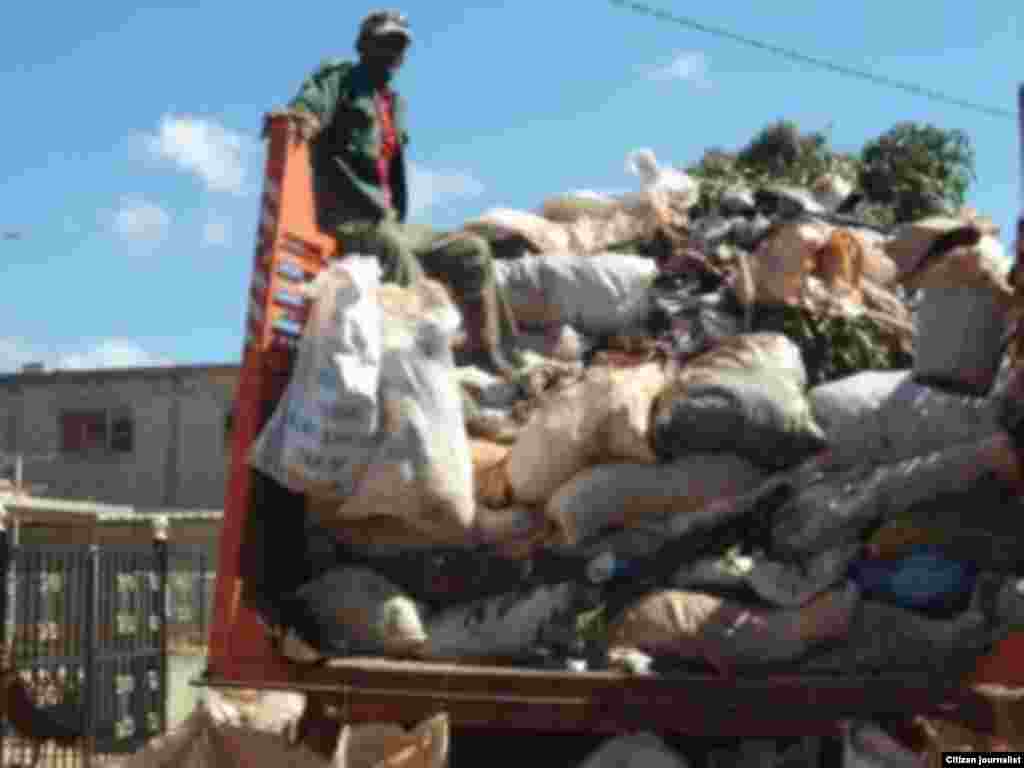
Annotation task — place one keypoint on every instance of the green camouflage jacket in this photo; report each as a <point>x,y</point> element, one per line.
<point>344,153</point>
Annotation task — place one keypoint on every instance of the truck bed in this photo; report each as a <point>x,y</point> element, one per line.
<point>485,697</point>
<point>607,702</point>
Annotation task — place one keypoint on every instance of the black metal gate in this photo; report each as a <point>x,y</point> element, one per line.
<point>87,631</point>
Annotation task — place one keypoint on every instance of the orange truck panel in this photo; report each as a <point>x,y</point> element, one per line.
<point>290,250</point>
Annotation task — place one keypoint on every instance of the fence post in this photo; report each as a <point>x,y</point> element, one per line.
<point>90,649</point>
<point>160,530</point>
<point>5,567</point>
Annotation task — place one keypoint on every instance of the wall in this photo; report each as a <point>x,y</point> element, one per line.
<point>192,533</point>
<point>178,460</point>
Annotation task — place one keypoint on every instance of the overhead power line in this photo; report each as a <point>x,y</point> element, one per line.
<point>871,77</point>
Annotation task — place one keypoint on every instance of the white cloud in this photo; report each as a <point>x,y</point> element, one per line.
<point>438,189</point>
<point>686,66</point>
<point>14,353</point>
<point>217,231</point>
<point>205,148</point>
<point>111,353</point>
<point>140,220</point>
<point>108,353</point>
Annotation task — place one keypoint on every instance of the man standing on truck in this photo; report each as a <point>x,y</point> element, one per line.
<point>356,125</point>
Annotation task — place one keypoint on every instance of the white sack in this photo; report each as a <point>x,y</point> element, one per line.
<point>320,434</point>
<point>885,417</point>
<point>217,735</point>
<point>604,293</point>
<point>422,470</point>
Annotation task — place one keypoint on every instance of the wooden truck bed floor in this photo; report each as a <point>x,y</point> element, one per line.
<point>513,698</point>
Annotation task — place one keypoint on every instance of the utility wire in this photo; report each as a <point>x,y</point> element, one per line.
<point>787,53</point>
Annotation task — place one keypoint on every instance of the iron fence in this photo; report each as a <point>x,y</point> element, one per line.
<point>88,629</point>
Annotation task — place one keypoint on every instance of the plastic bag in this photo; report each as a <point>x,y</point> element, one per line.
<point>623,494</point>
<point>831,190</point>
<point>902,643</point>
<point>681,190</point>
<point>498,628</point>
<point>696,626</point>
<point>355,610</point>
<point>639,750</point>
<point>422,469</point>
<point>320,436</point>
<point>838,507</point>
<point>923,580</point>
<point>786,584</point>
<point>865,745</point>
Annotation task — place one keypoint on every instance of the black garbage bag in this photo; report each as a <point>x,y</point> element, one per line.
<point>839,507</point>
<point>757,414</point>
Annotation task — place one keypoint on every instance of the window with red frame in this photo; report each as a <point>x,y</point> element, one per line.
<point>97,431</point>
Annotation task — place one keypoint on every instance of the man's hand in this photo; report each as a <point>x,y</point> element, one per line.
<point>302,125</point>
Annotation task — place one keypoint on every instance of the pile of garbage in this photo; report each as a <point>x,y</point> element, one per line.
<point>746,441</point>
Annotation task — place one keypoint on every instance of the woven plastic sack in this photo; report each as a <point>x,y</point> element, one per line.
<point>318,439</point>
<point>622,494</point>
<point>603,418</point>
<point>785,259</point>
<point>962,322</point>
<point>910,242</point>
<point>603,293</point>
<point>544,235</point>
<point>753,351</point>
<point>574,205</point>
<point>490,474</point>
<point>422,468</point>
<point>885,416</point>
<point>218,733</point>
<point>383,534</point>
<point>389,745</point>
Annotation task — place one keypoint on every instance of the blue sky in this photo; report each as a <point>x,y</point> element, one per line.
<point>133,164</point>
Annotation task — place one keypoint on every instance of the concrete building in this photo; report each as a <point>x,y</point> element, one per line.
<point>152,438</point>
